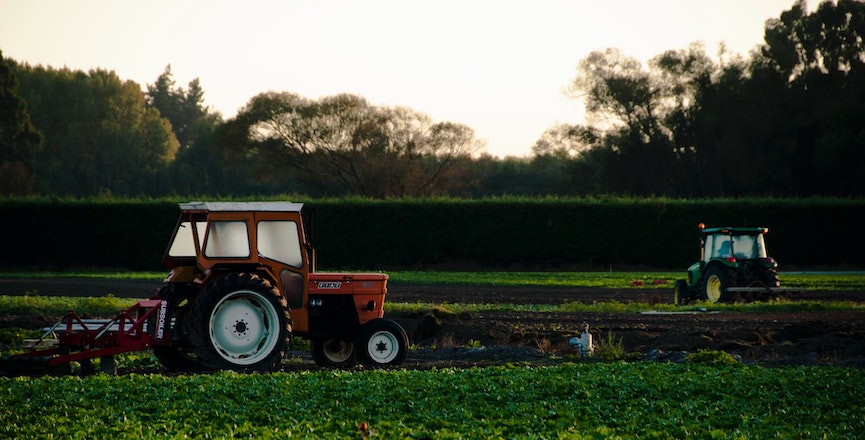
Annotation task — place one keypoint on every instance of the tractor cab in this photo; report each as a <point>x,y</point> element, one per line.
<point>733,244</point>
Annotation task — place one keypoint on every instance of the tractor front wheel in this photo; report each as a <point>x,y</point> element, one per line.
<point>382,343</point>
<point>332,353</point>
<point>715,284</point>
<point>240,322</point>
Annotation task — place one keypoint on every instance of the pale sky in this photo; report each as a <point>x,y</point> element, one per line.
<point>498,66</point>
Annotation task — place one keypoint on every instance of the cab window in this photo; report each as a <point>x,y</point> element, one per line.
<point>280,241</point>
<point>183,244</point>
<point>227,239</point>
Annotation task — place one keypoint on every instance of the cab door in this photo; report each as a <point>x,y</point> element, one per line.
<point>280,245</point>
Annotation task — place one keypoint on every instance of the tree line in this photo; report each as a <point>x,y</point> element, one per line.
<point>785,120</point>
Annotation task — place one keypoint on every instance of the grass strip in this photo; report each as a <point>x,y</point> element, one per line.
<point>102,306</point>
<point>607,280</point>
<point>108,306</point>
<point>618,307</point>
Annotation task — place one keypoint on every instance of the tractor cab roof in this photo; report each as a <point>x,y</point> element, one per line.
<point>240,206</point>
<point>733,231</point>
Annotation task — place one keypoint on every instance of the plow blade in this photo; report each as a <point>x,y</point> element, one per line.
<point>73,339</point>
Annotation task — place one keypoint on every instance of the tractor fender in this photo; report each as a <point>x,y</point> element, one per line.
<point>695,275</point>
<point>719,264</point>
<point>219,271</point>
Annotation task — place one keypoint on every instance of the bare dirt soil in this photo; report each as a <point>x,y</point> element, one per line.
<point>440,338</point>
<point>770,338</point>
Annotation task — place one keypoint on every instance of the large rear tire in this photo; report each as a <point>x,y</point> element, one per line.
<point>179,356</point>
<point>769,277</point>
<point>715,284</point>
<point>240,322</point>
<point>382,343</point>
<point>333,353</point>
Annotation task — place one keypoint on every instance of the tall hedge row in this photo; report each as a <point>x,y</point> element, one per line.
<point>62,235</point>
<point>506,234</point>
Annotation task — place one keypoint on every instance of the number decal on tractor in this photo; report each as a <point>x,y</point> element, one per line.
<point>329,285</point>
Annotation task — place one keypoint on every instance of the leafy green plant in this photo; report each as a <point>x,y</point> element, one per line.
<point>712,357</point>
<point>610,348</point>
<point>137,359</point>
<point>14,335</point>
<point>474,343</point>
<point>299,344</point>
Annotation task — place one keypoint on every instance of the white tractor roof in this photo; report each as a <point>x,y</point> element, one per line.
<point>241,206</point>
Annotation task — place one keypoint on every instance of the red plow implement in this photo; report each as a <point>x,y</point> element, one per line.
<point>74,339</point>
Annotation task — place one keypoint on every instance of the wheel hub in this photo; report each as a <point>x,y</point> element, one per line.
<point>383,347</point>
<point>338,351</point>
<point>243,329</point>
<point>713,289</point>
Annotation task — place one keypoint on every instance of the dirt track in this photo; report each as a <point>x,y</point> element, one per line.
<point>810,337</point>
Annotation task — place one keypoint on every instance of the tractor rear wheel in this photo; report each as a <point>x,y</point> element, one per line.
<point>769,277</point>
<point>332,353</point>
<point>178,356</point>
<point>382,343</point>
<point>715,284</point>
<point>240,322</point>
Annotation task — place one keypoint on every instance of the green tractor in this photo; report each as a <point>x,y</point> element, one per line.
<point>733,266</point>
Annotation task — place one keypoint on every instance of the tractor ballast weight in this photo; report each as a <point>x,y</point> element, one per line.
<point>734,266</point>
<point>241,284</point>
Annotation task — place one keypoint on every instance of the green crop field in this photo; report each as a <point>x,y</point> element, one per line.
<point>616,400</point>
<point>710,396</point>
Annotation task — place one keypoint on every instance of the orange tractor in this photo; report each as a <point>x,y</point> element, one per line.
<point>242,283</point>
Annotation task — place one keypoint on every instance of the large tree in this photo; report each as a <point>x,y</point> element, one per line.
<point>635,115</point>
<point>100,138</point>
<point>564,141</point>
<point>184,108</point>
<point>343,145</point>
<point>788,121</point>
<point>818,62</point>
<point>197,168</point>
<point>19,139</point>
